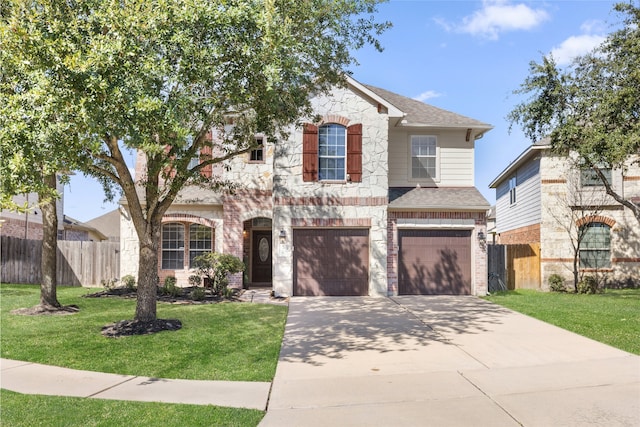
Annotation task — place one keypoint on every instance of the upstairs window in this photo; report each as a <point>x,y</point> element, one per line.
<point>589,177</point>
<point>332,152</point>
<point>423,156</point>
<point>513,183</point>
<point>332,141</point>
<point>257,155</point>
<point>595,246</point>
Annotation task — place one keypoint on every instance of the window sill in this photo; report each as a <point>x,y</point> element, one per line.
<point>597,270</point>
<point>334,182</point>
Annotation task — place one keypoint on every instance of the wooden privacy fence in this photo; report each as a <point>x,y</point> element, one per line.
<point>78,263</point>
<point>518,266</point>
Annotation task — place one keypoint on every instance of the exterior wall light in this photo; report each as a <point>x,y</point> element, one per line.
<point>481,237</point>
<point>283,236</point>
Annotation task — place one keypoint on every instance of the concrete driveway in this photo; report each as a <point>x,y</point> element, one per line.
<point>443,361</point>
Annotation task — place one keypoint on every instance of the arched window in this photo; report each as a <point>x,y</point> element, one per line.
<point>332,152</point>
<point>172,246</point>
<point>199,241</point>
<point>595,245</point>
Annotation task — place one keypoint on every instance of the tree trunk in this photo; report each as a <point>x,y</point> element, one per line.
<point>48,284</point>
<point>148,275</point>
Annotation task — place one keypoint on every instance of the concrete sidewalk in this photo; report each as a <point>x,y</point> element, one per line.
<point>33,378</point>
<point>443,361</point>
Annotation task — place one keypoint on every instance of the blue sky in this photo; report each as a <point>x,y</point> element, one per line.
<point>464,56</point>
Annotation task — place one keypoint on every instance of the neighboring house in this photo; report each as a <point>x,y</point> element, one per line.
<point>375,198</point>
<point>107,224</point>
<point>28,225</point>
<point>491,226</point>
<point>543,198</point>
<point>79,231</point>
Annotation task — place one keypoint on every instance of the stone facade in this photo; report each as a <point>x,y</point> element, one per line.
<point>564,206</point>
<point>567,207</point>
<point>274,189</point>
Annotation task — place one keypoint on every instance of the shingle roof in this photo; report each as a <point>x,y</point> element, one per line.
<point>458,198</point>
<point>419,113</point>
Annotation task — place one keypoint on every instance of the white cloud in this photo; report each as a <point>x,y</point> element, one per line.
<point>424,96</point>
<point>575,46</point>
<point>496,17</point>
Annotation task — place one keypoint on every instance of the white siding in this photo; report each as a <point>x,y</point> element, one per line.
<point>527,209</point>
<point>455,159</point>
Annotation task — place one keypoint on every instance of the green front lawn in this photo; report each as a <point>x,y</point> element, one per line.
<point>225,341</point>
<point>612,317</point>
<point>19,410</point>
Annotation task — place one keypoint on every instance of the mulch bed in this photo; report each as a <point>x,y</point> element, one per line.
<point>125,328</point>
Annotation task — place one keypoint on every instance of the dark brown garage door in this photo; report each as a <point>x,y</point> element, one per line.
<point>331,262</point>
<point>434,262</point>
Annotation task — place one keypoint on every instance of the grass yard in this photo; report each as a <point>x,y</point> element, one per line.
<point>20,410</point>
<point>612,317</point>
<point>226,341</point>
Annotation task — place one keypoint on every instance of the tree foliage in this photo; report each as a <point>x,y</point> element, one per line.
<point>593,107</point>
<point>157,75</point>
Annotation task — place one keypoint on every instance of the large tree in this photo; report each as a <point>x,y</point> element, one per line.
<point>36,144</point>
<point>591,108</point>
<point>158,75</point>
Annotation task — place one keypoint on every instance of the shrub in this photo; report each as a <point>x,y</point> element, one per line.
<point>195,280</point>
<point>588,285</point>
<point>229,292</point>
<point>129,282</point>
<point>170,287</point>
<point>109,284</point>
<point>556,283</point>
<point>216,268</point>
<point>198,294</point>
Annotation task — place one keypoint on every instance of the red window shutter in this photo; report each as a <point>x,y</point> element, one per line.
<point>310,152</point>
<point>205,154</point>
<point>354,152</point>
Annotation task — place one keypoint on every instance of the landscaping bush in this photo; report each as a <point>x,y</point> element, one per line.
<point>588,285</point>
<point>109,284</point>
<point>195,280</point>
<point>129,282</point>
<point>198,294</point>
<point>170,287</point>
<point>556,283</point>
<point>216,268</point>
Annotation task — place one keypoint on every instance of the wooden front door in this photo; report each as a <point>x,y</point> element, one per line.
<point>261,257</point>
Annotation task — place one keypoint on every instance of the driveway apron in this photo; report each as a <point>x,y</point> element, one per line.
<point>443,361</point>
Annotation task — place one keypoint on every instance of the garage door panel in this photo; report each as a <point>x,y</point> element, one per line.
<point>435,262</point>
<point>331,262</point>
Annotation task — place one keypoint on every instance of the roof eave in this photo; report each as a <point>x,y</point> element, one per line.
<point>392,110</point>
<point>519,161</point>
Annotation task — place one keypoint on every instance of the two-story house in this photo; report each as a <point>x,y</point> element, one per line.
<point>547,199</point>
<point>376,197</point>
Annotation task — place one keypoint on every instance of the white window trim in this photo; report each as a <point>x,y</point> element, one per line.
<point>334,157</point>
<point>410,159</point>
<point>513,191</point>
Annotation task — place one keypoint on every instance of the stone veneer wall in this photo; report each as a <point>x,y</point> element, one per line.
<point>475,221</point>
<point>555,245</point>
<point>334,204</point>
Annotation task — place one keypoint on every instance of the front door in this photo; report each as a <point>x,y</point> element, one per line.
<point>261,257</point>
